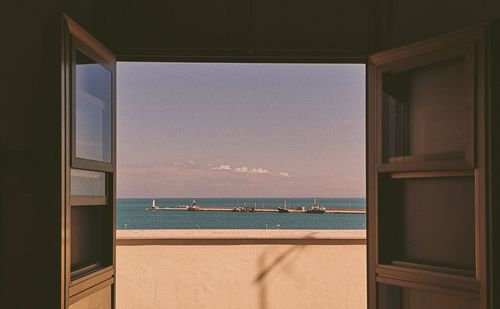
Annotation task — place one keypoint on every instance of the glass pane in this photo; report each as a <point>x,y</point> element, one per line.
<point>425,112</point>
<point>93,109</point>
<point>87,183</point>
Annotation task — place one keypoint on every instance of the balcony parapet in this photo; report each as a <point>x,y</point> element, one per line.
<point>239,237</point>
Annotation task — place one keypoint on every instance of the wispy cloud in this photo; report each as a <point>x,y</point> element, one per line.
<point>183,163</point>
<point>222,167</point>
<point>248,170</point>
<point>254,170</point>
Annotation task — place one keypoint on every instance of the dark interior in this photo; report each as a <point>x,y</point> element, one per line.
<point>91,239</point>
<point>31,172</point>
<point>428,221</point>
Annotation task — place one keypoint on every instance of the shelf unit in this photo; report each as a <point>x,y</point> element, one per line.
<point>426,217</point>
<point>90,75</point>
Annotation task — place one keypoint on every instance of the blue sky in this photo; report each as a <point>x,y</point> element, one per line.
<point>240,130</point>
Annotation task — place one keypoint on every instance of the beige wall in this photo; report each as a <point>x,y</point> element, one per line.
<point>240,269</point>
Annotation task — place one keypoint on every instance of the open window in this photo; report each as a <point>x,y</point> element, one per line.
<point>426,169</point>
<point>89,86</point>
<point>218,145</point>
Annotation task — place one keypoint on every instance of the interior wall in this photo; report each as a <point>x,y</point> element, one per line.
<point>30,126</point>
<point>92,15</point>
<point>150,26</point>
<point>407,21</point>
<point>357,27</point>
<point>30,149</point>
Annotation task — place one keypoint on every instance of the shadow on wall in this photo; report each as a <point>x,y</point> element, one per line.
<point>310,271</point>
<point>270,266</point>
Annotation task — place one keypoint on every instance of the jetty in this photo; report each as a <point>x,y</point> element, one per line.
<point>195,207</point>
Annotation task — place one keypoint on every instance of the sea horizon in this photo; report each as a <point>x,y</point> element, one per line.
<point>132,213</point>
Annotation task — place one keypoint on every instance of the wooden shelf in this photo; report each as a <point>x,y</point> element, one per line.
<point>435,269</point>
<point>443,156</point>
<point>432,174</point>
<point>416,166</point>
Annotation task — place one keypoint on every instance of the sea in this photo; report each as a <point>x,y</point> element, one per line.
<point>132,214</point>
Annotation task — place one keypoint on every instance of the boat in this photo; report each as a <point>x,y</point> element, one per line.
<point>239,209</point>
<point>283,209</point>
<point>316,209</point>
<point>244,208</point>
<point>193,206</point>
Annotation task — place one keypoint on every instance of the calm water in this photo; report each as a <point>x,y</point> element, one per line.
<point>131,214</point>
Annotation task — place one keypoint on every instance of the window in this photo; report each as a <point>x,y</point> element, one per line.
<point>240,145</point>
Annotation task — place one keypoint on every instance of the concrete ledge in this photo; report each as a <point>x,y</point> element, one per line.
<point>239,237</point>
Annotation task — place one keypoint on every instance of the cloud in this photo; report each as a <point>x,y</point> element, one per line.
<point>248,170</point>
<point>222,167</point>
<point>254,170</point>
<point>183,163</point>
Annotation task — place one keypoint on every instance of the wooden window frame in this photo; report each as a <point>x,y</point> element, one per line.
<point>411,59</point>
<point>100,54</point>
<point>83,282</point>
<point>471,44</point>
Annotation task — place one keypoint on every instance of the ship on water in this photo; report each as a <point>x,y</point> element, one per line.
<point>316,209</point>
<point>193,207</point>
<point>244,208</point>
<point>283,209</point>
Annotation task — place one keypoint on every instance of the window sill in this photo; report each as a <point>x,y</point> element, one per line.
<point>214,237</point>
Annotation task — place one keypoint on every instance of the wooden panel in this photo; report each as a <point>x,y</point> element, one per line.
<point>388,296</point>
<point>492,152</point>
<point>89,247</point>
<point>431,219</point>
<point>428,278</point>
<point>99,300</point>
<point>81,284</point>
<point>427,112</point>
<point>428,221</point>
<point>91,239</point>
<point>418,299</point>
<point>439,222</point>
<point>394,297</point>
